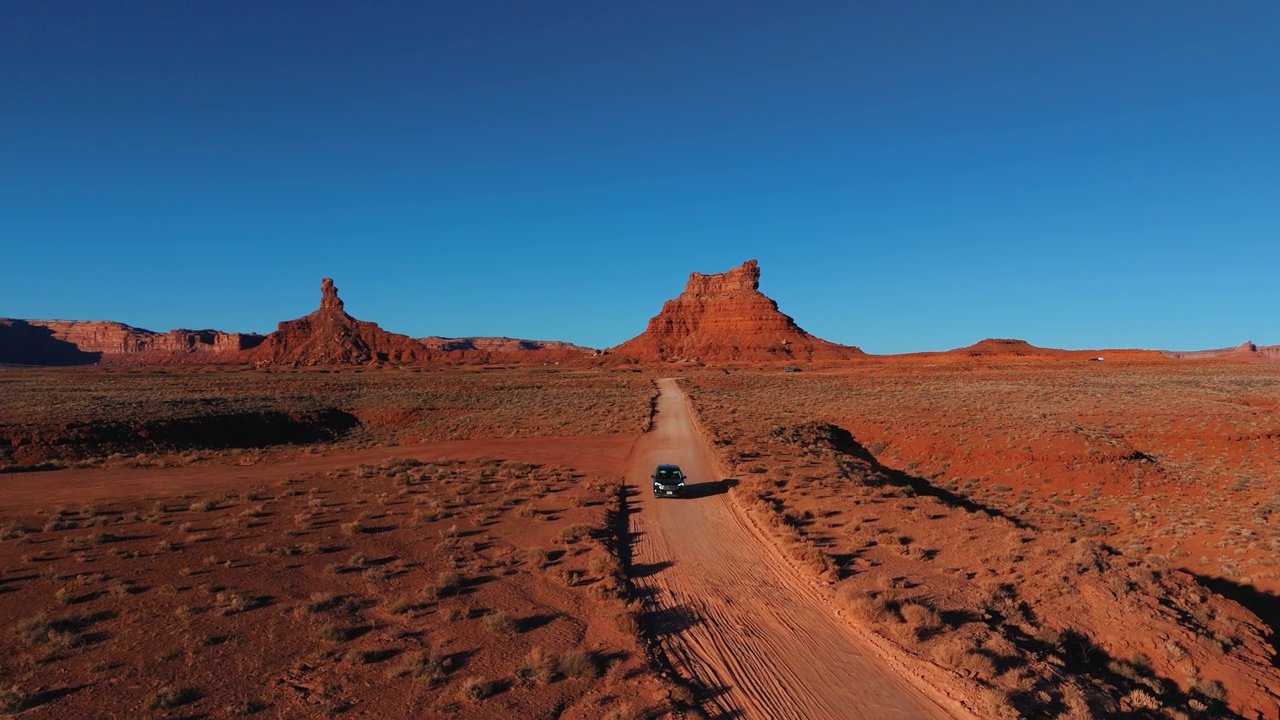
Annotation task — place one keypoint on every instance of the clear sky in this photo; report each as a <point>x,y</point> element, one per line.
<point>910,175</point>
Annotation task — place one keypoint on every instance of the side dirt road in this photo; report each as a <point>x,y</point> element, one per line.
<point>731,615</point>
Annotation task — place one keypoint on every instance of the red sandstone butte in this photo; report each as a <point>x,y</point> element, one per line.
<point>725,317</point>
<point>329,336</point>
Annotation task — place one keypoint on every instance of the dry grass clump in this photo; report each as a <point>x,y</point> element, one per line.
<point>576,532</point>
<point>958,656</point>
<point>921,619</point>
<point>418,664</point>
<point>322,601</point>
<point>536,557</point>
<point>579,664</point>
<point>499,623</point>
<point>475,689</point>
<point>538,666</point>
<point>868,607</point>
<point>447,583</point>
<point>333,633</point>
<point>14,699</point>
<point>169,697</point>
<point>61,633</point>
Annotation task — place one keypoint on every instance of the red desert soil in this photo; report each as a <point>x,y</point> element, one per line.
<point>1001,535</point>
<point>462,586</point>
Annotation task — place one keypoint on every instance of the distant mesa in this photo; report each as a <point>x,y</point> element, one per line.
<point>500,345</point>
<point>1246,352</point>
<point>77,342</point>
<point>1005,348</point>
<point>725,317</point>
<point>25,343</point>
<point>329,336</point>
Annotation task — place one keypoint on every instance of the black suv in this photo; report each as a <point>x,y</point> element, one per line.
<point>668,481</point>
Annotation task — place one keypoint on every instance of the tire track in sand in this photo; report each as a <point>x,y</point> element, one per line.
<point>729,614</point>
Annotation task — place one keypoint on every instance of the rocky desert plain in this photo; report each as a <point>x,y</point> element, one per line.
<point>337,520</point>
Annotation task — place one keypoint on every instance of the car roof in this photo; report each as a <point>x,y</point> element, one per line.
<point>665,466</point>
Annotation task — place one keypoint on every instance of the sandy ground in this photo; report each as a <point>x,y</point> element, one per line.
<point>591,454</point>
<point>733,616</point>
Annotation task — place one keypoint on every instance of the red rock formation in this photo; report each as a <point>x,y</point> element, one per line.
<point>1001,349</point>
<point>1248,352</point>
<point>500,345</point>
<point>62,342</point>
<point>329,336</point>
<point>725,317</point>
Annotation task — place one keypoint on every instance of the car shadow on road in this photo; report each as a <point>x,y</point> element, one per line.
<point>708,489</point>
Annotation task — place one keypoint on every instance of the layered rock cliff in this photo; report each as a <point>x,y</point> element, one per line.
<point>1247,352</point>
<point>500,345</point>
<point>725,317</point>
<point>329,336</point>
<point>74,342</point>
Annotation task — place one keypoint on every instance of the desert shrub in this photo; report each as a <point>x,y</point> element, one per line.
<point>578,664</point>
<point>1139,699</point>
<point>321,601</point>
<point>538,666</point>
<point>230,602</point>
<point>171,697</point>
<point>400,606</point>
<point>576,532</point>
<point>628,621</point>
<point>475,689</point>
<point>420,665</point>
<point>604,565</point>
<point>447,583</point>
<point>959,657</point>
<point>996,705</point>
<point>355,656</point>
<point>58,633</point>
<point>14,699</point>
<point>1211,689</point>
<point>332,633</point>
<point>512,468</point>
<point>871,609</point>
<point>920,618</point>
<point>537,557</point>
<point>499,623</point>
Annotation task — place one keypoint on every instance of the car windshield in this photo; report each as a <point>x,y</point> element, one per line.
<point>669,475</point>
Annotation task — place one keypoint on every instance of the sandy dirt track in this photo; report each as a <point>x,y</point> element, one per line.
<point>730,612</point>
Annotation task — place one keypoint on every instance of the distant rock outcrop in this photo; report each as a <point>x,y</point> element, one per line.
<point>329,336</point>
<point>1247,352</point>
<point>1002,349</point>
<point>500,345</point>
<point>1006,348</point>
<point>725,317</point>
<point>75,342</point>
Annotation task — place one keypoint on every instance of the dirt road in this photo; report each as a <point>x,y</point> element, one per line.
<point>732,614</point>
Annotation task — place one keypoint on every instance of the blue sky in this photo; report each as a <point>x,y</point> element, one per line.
<point>910,175</point>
